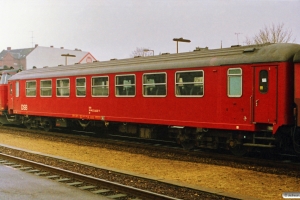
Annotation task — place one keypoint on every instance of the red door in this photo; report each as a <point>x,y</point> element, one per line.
<point>265,94</point>
<point>10,97</point>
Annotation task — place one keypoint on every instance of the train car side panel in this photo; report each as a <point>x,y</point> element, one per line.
<point>3,98</point>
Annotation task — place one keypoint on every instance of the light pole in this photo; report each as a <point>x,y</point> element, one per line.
<point>180,40</point>
<point>66,56</point>
<point>146,50</point>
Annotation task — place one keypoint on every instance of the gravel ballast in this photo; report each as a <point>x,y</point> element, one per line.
<point>234,180</point>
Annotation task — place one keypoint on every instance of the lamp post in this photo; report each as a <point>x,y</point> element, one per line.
<point>66,56</point>
<point>180,40</point>
<point>146,50</point>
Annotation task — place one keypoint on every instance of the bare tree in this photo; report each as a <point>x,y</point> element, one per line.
<point>140,51</point>
<point>272,34</point>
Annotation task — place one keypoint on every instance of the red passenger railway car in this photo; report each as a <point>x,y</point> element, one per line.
<point>238,98</point>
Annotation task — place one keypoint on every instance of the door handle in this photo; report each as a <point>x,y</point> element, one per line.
<point>256,102</point>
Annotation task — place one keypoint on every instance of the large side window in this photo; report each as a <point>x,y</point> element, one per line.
<point>80,87</point>
<point>100,86</point>
<point>125,85</point>
<point>234,82</point>
<point>190,83</point>
<point>155,84</point>
<point>30,88</point>
<point>46,88</point>
<point>62,87</point>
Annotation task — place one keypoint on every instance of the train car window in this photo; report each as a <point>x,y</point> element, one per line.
<point>125,85</point>
<point>80,87</point>
<point>190,83</point>
<point>100,86</point>
<point>234,82</point>
<point>263,81</point>
<point>46,88</point>
<point>30,88</point>
<point>62,87</point>
<point>155,85</point>
<point>17,89</point>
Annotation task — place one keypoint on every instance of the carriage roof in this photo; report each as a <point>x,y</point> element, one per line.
<point>203,58</point>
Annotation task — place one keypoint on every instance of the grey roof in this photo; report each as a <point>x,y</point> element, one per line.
<point>16,53</point>
<point>203,58</point>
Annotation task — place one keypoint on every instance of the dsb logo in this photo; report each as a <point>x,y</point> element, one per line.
<point>24,107</point>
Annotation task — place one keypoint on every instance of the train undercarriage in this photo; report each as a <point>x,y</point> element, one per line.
<point>287,138</point>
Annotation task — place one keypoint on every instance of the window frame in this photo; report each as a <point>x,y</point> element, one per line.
<point>27,89</point>
<point>17,94</point>
<point>186,83</point>
<point>155,84</point>
<point>228,82</point>
<point>76,86</point>
<point>92,86</point>
<point>122,85</point>
<point>41,95</point>
<point>62,87</point>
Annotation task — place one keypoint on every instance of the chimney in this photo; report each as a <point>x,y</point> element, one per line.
<point>36,45</point>
<point>8,48</point>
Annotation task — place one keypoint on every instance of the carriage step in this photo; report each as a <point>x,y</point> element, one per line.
<point>264,138</point>
<point>259,145</point>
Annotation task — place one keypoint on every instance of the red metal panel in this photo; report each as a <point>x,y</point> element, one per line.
<point>297,90</point>
<point>214,110</point>
<point>3,97</point>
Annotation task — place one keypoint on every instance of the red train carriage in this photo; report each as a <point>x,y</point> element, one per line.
<point>5,75</point>
<point>239,97</point>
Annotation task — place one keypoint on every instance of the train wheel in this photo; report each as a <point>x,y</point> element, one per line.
<point>188,144</point>
<point>237,148</point>
<point>27,125</point>
<point>47,125</point>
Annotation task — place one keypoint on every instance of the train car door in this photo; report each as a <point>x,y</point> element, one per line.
<point>10,97</point>
<point>265,94</point>
<point>14,92</point>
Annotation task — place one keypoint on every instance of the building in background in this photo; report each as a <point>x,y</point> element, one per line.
<point>39,57</point>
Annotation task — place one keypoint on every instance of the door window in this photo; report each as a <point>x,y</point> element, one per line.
<point>263,81</point>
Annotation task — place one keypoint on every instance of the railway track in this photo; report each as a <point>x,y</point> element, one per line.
<point>278,165</point>
<point>96,185</point>
<point>156,150</point>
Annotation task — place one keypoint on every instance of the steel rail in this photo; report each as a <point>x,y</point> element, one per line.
<point>89,179</point>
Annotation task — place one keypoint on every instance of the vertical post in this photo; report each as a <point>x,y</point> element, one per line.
<point>66,57</point>
<point>180,40</point>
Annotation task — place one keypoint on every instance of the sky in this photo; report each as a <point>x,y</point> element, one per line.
<point>115,28</point>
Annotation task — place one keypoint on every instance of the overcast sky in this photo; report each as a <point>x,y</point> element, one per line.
<point>114,28</point>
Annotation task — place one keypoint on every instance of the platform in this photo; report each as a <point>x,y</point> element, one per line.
<point>16,185</point>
